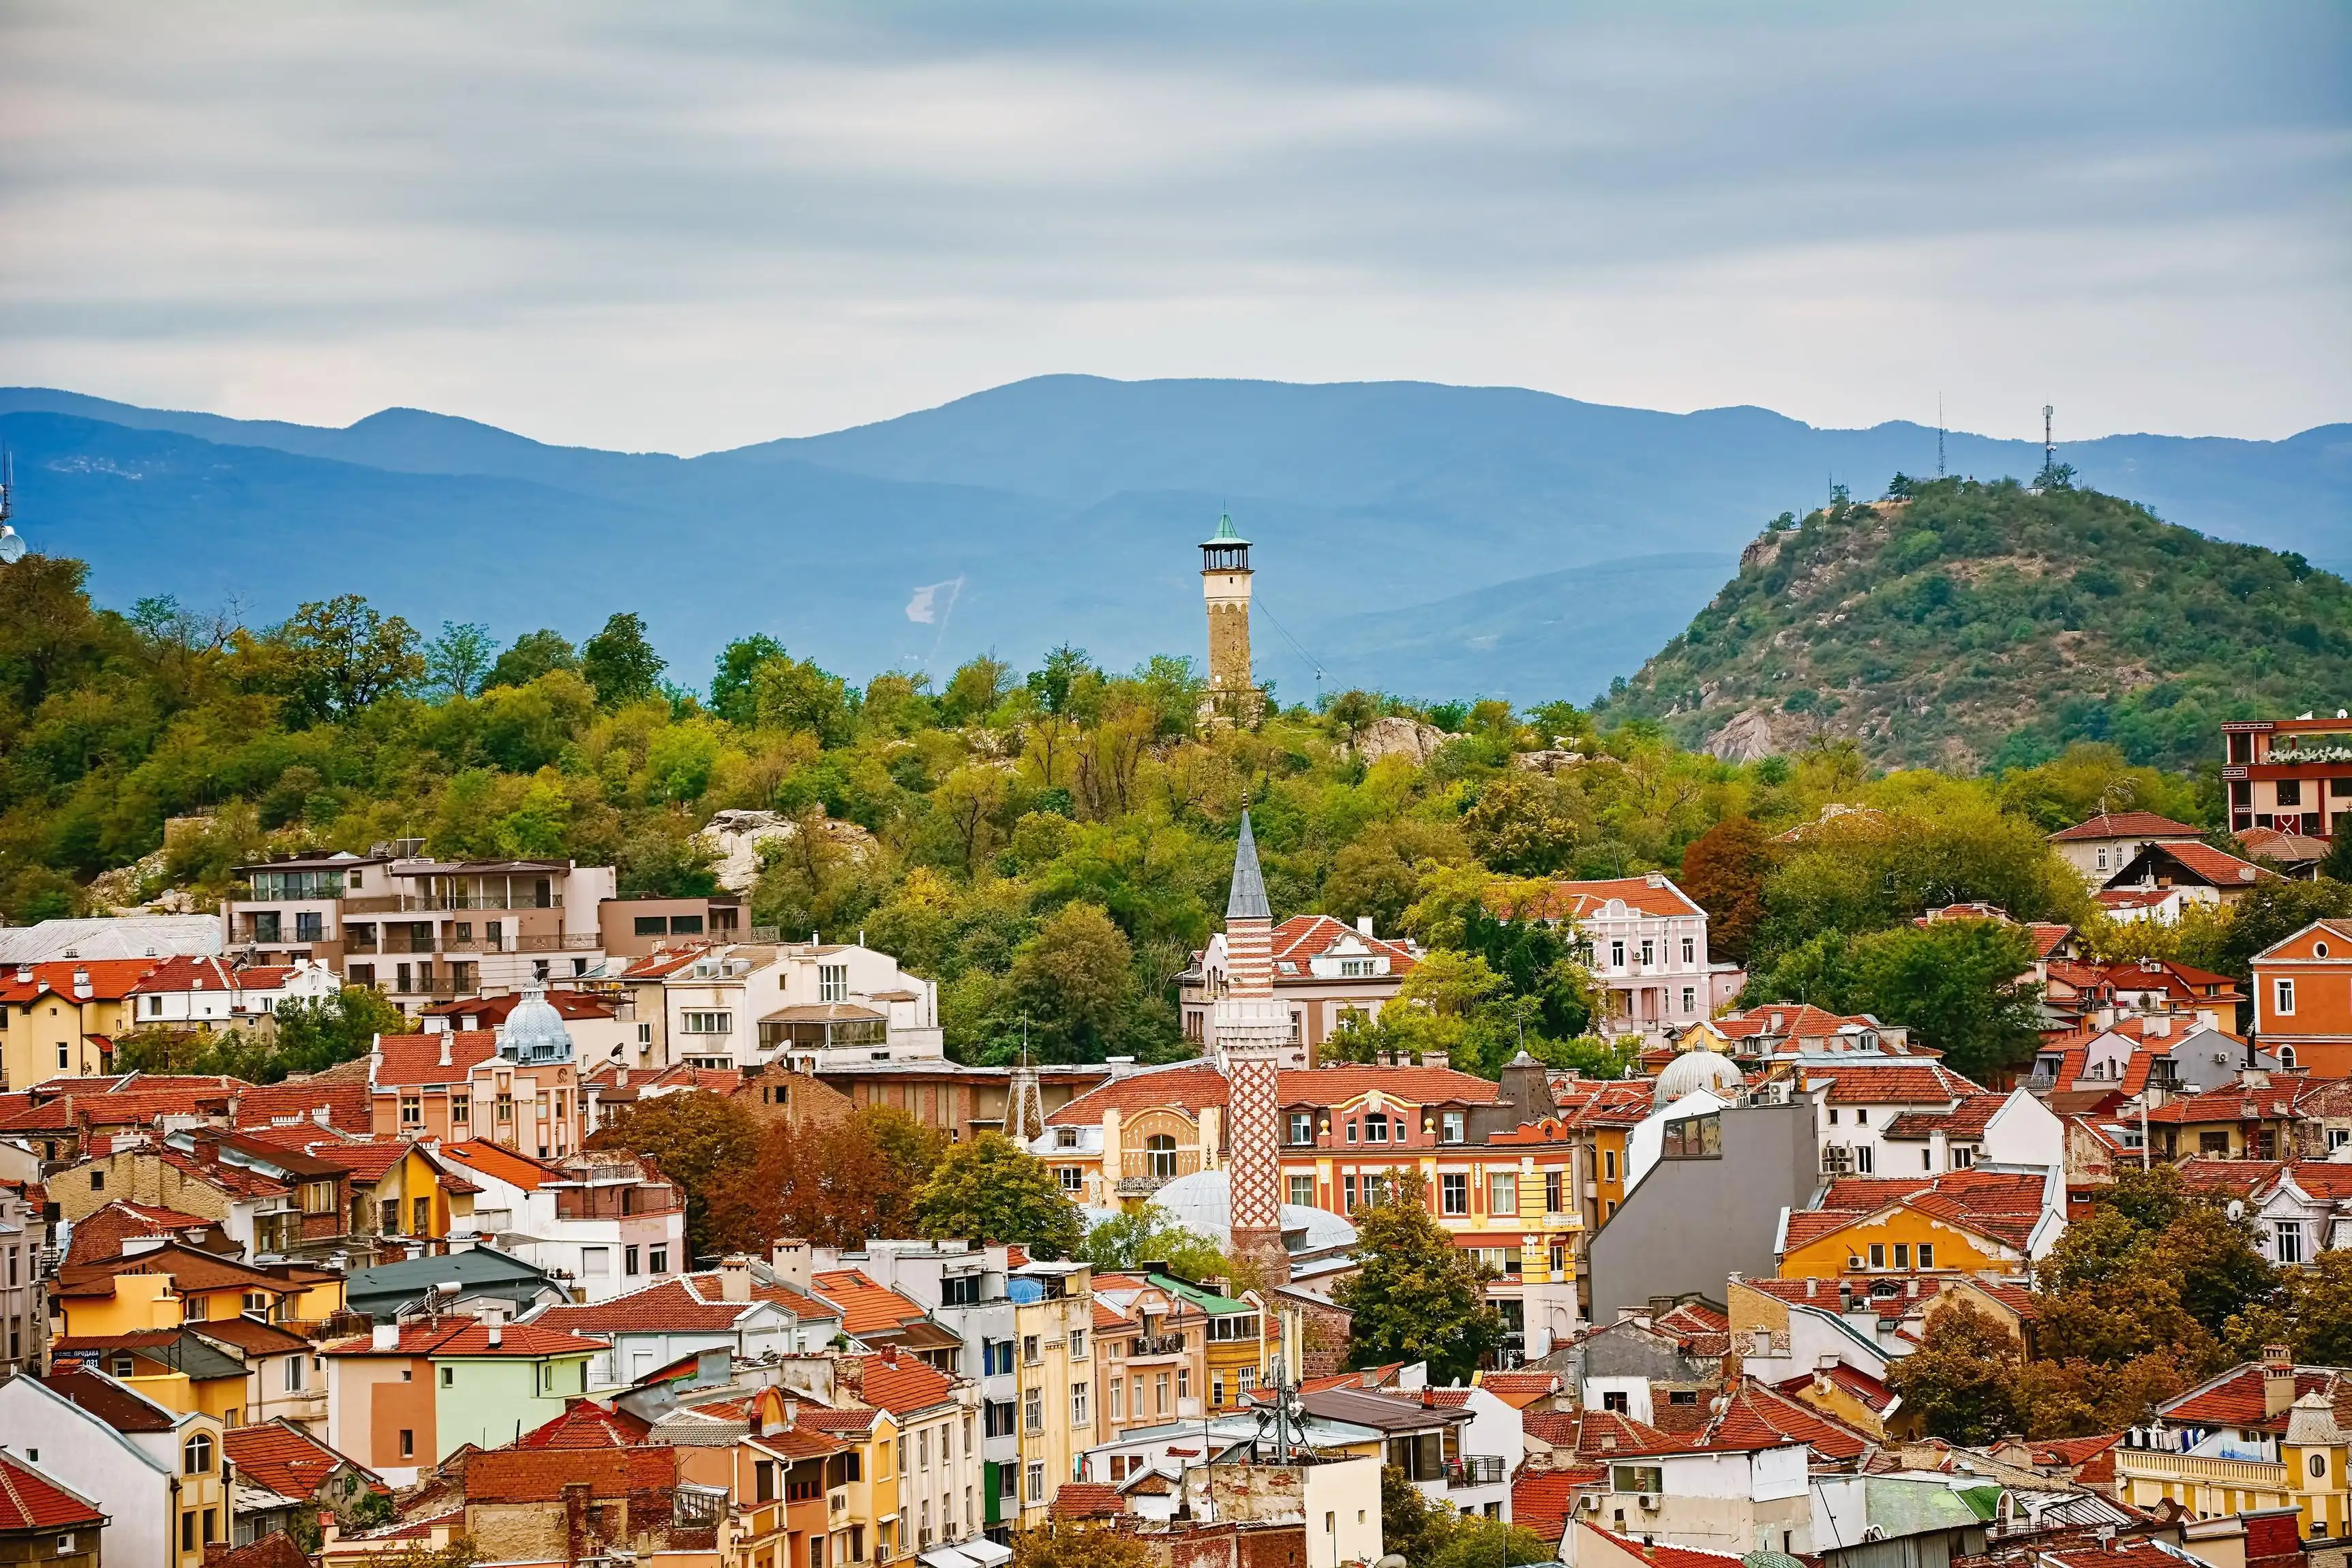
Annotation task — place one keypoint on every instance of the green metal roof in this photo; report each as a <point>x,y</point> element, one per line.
<point>1225,534</point>
<point>1200,1295</point>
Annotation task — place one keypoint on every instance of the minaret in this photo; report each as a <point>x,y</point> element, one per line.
<point>1249,1031</point>
<point>1226,584</point>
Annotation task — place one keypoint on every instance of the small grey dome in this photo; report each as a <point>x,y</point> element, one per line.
<point>534,1031</point>
<point>1697,1069</point>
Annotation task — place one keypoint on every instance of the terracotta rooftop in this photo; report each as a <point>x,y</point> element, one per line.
<point>539,1475</point>
<point>1582,900</point>
<point>585,1424</point>
<point>111,1402</point>
<point>287,1461</point>
<point>690,1303</point>
<point>2125,825</point>
<point>413,1060</point>
<point>30,1500</point>
<point>1890,1083</point>
<point>471,1336</point>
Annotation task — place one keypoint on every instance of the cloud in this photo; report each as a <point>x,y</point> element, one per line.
<point>703,226</point>
<point>925,609</point>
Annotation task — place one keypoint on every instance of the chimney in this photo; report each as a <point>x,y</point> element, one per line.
<point>792,1412</point>
<point>2278,1380</point>
<point>1655,879</point>
<point>1437,1058</point>
<point>1811,1285</point>
<point>1363,925</point>
<point>384,1337</point>
<point>497,1335</point>
<point>735,1277</point>
<point>787,1255</point>
<point>445,1049</point>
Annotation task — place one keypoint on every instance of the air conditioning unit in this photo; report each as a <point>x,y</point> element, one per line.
<point>1648,1502</point>
<point>1837,1159</point>
<point>1590,1502</point>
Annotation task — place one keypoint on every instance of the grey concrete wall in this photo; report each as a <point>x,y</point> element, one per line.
<point>1690,1223</point>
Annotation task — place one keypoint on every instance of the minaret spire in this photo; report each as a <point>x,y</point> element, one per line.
<point>1251,1032</point>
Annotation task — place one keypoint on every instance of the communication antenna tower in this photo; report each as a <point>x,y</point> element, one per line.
<point>11,543</point>
<point>1939,435</point>
<point>2049,447</point>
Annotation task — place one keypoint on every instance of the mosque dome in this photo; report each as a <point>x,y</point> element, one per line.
<point>1695,1070</point>
<point>1202,1200</point>
<point>534,1031</point>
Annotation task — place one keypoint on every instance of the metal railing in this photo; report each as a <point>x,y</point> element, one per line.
<point>422,903</point>
<point>1155,1345</point>
<point>1474,1470</point>
<point>1144,1171</point>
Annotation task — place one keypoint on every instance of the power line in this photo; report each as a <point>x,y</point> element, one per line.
<point>1260,604</point>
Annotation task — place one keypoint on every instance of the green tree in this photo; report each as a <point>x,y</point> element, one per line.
<point>992,1190</point>
<point>1964,986</point>
<point>1491,1543</point>
<point>456,661</point>
<point>975,690</point>
<point>339,655</point>
<point>1524,824</point>
<point>1416,1295</point>
<point>1075,980</point>
<point>534,654</point>
<point>1130,1240</point>
<point>731,694</point>
<point>2271,911</point>
<point>313,1036</point>
<point>619,662</point>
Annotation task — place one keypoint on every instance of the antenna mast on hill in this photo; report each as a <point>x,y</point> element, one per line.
<point>2049,448</point>
<point>1939,435</point>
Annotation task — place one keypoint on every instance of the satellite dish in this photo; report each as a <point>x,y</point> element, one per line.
<point>2237,1209</point>
<point>12,545</point>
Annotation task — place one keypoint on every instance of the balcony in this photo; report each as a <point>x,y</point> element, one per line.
<point>424,903</point>
<point>1143,1171</point>
<point>1475,1470</point>
<point>1142,1345</point>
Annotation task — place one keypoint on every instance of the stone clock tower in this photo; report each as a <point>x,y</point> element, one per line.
<point>1226,584</point>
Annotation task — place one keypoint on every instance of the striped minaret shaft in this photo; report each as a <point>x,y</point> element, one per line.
<point>1251,1029</point>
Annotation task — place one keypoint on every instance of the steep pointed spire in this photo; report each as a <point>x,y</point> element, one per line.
<point>1247,899</point>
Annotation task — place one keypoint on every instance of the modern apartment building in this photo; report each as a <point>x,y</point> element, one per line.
<point>2290,774</point>
<point>421,930</point>
<point>732,1005</point>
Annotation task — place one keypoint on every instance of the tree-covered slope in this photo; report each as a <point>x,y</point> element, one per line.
<point>1961,625</point>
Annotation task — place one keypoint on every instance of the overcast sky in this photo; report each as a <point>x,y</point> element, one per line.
<point>683,227</point>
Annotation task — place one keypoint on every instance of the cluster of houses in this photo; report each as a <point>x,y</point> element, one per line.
<point>402,1305</point>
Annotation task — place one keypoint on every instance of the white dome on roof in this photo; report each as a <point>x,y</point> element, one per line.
<point>534,1031</point>
<point>1204,1202</point>
<point>1695,1070</point>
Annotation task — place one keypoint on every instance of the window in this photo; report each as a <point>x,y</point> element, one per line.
<point>2283,997</point>
<point>1877,1255</point>
<point>995,1357</point>
<point>196,1456</point>
<point>1077,1344</point>
<point>1609,1164</point>
<point>1302,1192</point>
<point>188,1530</point>
<point>1454,1193</point>
<point>1302,1126</point>
<point>651,925</point>
<point>1183,1383</point>
<point>1927,1255</point>
<point>1033,1410</point>
<point>832,982</point>
<point>1351,1132</point>
<point>1865,1159</point>
<point>999,1417</point>
<point>1637,1479</point>
<point>1616,1400</point>
<point>595,1262</point>
<point>2290,792</point>
<point>1902,1254</point>
<point>1617,954</point>
<point>97,1180</point>
<point>1160,1156</point>
<point>629,1259</point>
<point>1555,1192</point>
<point>709,1023</point>
<point>1078,1416</point>
<point>1690,950</point>
<point>1073,1177</point>
<point>1348,1185</point>
<point>1690,999</point>
<point>1963,1157</point>
<point>448,1377</point>
<point>1502,1193</point>
<point>1649,953</point>
<point>1450,1125</point>
<point>1376,1128</point>
<point>2286,1057</point>
<point>2289,1234</point>
<point>1036,1480</point>
<point>1694,1137</point>
<point>2102,854</point>
<point>1862,1117</point>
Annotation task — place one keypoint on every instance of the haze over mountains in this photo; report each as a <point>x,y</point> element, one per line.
<point>1435,541</point>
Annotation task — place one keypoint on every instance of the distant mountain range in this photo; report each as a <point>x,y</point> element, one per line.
<point>1432,540</point>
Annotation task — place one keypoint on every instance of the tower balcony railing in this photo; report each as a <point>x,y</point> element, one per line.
<point>1145,1170</point>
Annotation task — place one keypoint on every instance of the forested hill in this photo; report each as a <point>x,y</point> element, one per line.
<point>1960,625</point>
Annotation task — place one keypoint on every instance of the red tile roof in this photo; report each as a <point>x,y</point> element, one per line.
<point>280,1456</point>
<point>2236,1102</point>
<point>190,1270</point>
<point>2235,1398</point>
<point>1087,1500</point>
<point>539,1475</point>
<point>687,1303</point>
<point>2125,825</point>
<point>500,1164</point>
<point>110,979</point>
<point>100,1235</point>
<point>110,1401</point>
<point>30,1500</point>
<point>275,1550</point>
<point>2215,866</point>
<point>1581,900</point>
<point>471,1337</point>
<point>1302,938</point>
<point>415,1059</point>
<point>1192,1086</point>
<point>346,1102</point>
<point>1557,1427</point>
<point>1664,1556</point>
<point>1541,1500</point>
<point>1965,1122</point>
<point>585,1424</point>
<point>902,1385</point>
<point>1890,1083</point>
<point>866,1306</point>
